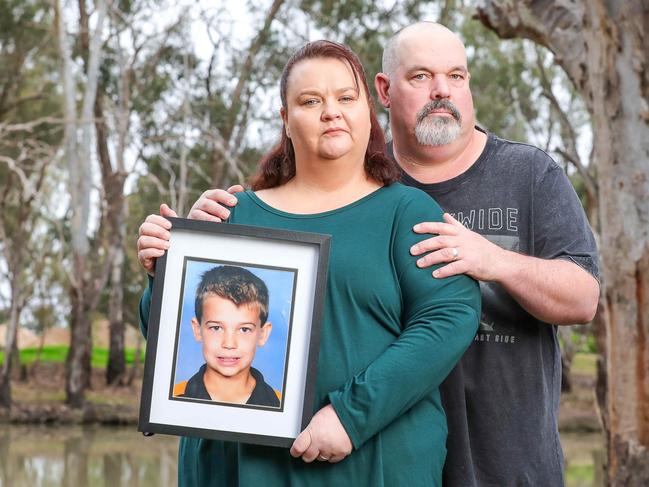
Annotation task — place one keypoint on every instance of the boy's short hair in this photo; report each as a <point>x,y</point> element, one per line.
<point>235,284</point>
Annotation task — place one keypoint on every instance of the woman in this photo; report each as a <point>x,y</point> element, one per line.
<point>390,334</point>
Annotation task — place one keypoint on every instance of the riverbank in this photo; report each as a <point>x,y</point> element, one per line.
<point>38,394</point>
<point>39,398</point>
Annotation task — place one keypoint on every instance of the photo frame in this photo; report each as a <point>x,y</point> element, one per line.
<point>233,333</point>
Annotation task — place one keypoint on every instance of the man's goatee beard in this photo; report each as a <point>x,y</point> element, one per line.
<point>438,130</point>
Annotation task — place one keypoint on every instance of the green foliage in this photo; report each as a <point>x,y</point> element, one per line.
<point>502,93</point>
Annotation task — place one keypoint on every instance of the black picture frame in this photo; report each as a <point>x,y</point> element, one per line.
<point>302,255</point>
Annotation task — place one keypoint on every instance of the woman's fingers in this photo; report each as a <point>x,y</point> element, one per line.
<point>301,443</point>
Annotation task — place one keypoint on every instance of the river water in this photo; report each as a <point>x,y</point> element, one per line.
<point>75,456</point>
<point>99,456</point>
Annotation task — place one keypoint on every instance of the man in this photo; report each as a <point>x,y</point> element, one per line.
<point>521,232</point>
<point>518,228</point>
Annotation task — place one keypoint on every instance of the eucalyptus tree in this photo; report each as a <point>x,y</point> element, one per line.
<point>602,48</point>
<point>29,139</point>
<point>84,286</point>
<point>131,50</point>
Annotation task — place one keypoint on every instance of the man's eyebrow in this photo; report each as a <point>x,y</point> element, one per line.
<point>459,67</point>
<point>417,68</point>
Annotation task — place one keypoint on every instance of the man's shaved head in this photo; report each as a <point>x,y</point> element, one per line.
<point>392,51</point>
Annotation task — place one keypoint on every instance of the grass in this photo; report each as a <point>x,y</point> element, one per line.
<point>580,475</point>
<point>58,354</point>
<point>584,363</point>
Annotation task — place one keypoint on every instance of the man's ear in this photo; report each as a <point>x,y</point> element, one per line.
<point>265,333</point>
<point>282,113</point>
<point>196,328</point>
<point>382,85</point>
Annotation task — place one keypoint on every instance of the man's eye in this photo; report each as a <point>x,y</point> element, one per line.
<point>346,99</point>
<point>419,77</point>
<point>457,77</point>
<point>310,101</point>
<point>214,328</point>
<point>245,329</point>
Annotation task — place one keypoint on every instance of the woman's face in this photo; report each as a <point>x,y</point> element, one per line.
<point>327,115</point>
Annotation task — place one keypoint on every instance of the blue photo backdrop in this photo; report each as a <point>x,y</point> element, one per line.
<point>270,359</point>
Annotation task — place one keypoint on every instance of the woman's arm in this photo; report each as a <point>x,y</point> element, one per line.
<point>439,320</point>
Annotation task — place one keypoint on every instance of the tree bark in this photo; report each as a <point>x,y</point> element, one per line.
<point>567,354</point>
<point>83,288</point>
<point>78,365</point>
<point>604,48</point>
<point>10,347</point>
<point>116,369</point>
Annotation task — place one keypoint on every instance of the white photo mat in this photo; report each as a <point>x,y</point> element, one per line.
<point>305,253</point>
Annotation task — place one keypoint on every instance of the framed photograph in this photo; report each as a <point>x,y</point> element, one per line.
<point>234,329</point>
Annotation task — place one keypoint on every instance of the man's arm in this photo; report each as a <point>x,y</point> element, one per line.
<point>556,291</point>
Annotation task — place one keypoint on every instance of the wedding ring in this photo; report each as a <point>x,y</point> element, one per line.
<point>323,459</point>
<point>455,252</point>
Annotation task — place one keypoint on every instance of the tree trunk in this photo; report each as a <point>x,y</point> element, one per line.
<point>83,288</point>
<point>10,349</point>
<point>116,369</point>
<point>567,354</point>
<point>135,368</point>
<point>78,366</point>
<point>603,48</point>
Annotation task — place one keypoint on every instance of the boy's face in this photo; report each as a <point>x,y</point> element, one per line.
<point>230,335</point>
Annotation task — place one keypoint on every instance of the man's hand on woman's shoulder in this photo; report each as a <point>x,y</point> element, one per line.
<point>153,235</point>
<point>212,204</point>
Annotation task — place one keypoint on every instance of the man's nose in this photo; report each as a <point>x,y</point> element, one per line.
<point>439,87</point>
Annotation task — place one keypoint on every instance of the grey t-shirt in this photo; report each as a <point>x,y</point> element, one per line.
<point>502,398</point>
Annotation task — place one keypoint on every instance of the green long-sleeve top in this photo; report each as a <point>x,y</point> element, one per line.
<point>390,335</point>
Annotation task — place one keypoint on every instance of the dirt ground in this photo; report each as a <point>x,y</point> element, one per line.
<point>40,396</point>
<point>40,399</point>
<point>579,411</point>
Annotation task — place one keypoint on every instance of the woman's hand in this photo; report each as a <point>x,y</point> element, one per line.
<point>153,238</point>
<point>324,438</point>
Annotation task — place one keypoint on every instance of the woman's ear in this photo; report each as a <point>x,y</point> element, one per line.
<point>282,113</point>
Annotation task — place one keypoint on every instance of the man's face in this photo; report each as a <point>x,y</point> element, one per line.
<point>428,95</point>
<point>230,335</point>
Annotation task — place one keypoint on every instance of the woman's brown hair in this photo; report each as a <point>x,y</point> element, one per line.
<point>278,166</point>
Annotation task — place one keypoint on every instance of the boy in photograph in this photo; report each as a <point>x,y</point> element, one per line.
<point>231,312</point>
